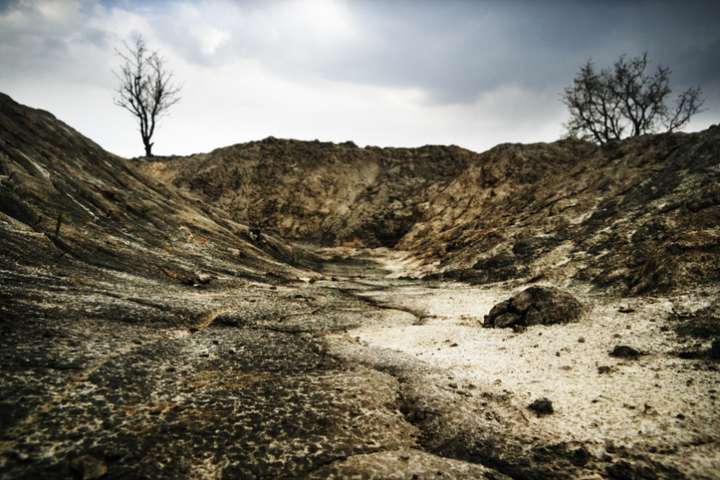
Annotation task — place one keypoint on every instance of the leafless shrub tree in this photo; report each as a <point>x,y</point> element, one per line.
<point>146,88</point>
<point>626,101</point>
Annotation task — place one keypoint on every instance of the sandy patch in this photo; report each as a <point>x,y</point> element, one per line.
<point>657,402</point>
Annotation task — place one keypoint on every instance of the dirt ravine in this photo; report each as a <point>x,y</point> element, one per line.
<point>148,331</point>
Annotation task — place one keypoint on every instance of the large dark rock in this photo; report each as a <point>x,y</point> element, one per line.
<point>535,306</point>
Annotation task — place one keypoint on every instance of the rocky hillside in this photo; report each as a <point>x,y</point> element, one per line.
<point>315,191</point>
<point>641,216</point>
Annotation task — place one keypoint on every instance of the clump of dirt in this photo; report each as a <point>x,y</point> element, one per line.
<point>535,306</point>
<point>542,406</point>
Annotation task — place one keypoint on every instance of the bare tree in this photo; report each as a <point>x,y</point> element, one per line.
<point>606,105</point>
<point>147,89</point>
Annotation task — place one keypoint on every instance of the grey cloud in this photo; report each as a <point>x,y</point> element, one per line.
<point>8,5</point>
<point>456,50</point>
<point>504,62</point>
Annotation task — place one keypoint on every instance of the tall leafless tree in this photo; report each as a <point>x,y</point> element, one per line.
<point>146,88</point>
<point>606,105</point>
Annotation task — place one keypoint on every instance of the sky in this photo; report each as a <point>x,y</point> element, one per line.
<point>377,72</point>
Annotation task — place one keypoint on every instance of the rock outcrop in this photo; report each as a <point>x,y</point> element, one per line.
<point>535,306</point>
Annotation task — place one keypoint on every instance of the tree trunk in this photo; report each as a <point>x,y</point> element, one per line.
<point>148,148</point>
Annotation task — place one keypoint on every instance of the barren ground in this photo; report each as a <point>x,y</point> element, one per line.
<point>162,325</point>
<point>365,373</point>
<point>658,404</point>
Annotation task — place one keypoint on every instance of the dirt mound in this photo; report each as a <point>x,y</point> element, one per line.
<point>317,191</point>
<point>639,216</point>
<point>535,306</point>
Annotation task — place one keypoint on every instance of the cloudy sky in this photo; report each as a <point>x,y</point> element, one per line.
<point>402,73</point>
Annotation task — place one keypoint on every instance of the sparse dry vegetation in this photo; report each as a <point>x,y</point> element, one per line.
<point>626,101</point>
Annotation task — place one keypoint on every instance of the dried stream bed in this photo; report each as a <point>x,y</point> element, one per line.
<point>361,374</point>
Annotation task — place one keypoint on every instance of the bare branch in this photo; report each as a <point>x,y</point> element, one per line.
<point>605,105</point>
<point>687,104</point>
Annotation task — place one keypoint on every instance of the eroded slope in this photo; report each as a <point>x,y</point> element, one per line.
<point>640,216</point>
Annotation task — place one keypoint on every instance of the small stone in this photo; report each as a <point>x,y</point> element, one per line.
<point>624,351</point>
<point>581,340</point>
<point>580,456</point>
<point>715,349</point>
<point>542,406</point>
<point>604,369</point>
<point>203,278</point>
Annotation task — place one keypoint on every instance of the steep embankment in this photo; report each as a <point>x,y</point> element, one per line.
<point>66,202</point>
<point>315,191</point>
<point>641,216</point>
